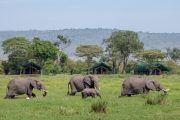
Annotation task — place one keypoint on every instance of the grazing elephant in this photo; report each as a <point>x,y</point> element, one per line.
<point>24,86</point>
<point>90,92</point>
<point>138,85</point>
<point>79,83</point>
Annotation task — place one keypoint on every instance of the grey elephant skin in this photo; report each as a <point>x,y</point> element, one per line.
<point>138,85</point>
<point>87,92</point>
<point>21,86</point>
<point>79,83</point>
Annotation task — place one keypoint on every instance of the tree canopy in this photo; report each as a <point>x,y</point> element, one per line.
<point>124,43</point>
<point>17,49</point>
<point>89,52</point>
<point>43,50</point>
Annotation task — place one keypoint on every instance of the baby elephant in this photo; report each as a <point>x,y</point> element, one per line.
<point>90,92</point>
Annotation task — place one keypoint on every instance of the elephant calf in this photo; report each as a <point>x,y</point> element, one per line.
<point>24,86</point>
<point>138,85</point>
<point>90,92</point>
<point>79,83</point>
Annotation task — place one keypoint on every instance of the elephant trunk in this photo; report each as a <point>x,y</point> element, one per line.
<point>44,91</point>
<point>96,85</point>
<point>164,90</point>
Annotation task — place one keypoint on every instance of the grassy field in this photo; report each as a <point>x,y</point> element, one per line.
<point>58,106</point>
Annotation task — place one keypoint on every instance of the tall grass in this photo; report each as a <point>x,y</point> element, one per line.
<point>155,98</point>
<point>99,107</point>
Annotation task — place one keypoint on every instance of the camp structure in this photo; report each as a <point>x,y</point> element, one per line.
<point>157,69</point>
<point>100,68</point>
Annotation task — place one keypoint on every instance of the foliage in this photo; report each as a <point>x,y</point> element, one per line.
<point>173,54</point>
<point>130,66</point>
<point>151,57</point>
<point>1,68</point>
<point>43,50</point>
<point>89,52</point>
<point>123,44</point>
<point>154,99</point>
<point>173,67</point>
<point>62,41</point>
<point>50,67</point>
<point>17,49</point>
<point>77,67</point>
<point>63,61</point>
<point>99,107</point>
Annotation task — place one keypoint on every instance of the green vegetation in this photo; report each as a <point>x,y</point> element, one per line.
<point>99,107</point>
<point>156,98</point>
<point>58,106</point>
<point>89,52</point>
<point>121,45</point>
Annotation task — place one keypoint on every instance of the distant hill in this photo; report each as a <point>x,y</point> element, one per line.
<point>94,36</point>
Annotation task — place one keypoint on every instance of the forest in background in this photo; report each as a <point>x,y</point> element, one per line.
<point>93,36</point>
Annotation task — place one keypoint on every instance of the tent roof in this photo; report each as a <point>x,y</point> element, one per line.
<point>101,64</point>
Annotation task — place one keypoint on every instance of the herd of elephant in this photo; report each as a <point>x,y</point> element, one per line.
<point>88,86</point>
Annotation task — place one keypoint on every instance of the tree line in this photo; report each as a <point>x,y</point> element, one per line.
<point>123,50</point>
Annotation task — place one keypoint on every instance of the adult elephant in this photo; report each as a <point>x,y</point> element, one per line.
<point>79,83</point>
<point>138,85</point>
<point>21,86</point>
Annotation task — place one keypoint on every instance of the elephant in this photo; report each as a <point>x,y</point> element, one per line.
<point>137,85</point>
<point>21,86</point>
<point>90,92</point>
<point>79,83</point>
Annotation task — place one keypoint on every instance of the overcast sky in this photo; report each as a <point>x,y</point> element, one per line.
<point>137,15</point>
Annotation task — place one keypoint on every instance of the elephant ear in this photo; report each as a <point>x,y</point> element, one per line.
<point>87,81</point>
<point>33,83</point>
<point>150,85</point>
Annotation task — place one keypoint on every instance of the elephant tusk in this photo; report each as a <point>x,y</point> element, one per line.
<point>27,98</point>
<point>165,90</point>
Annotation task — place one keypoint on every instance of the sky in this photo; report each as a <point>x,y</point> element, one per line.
<point>137,15</point>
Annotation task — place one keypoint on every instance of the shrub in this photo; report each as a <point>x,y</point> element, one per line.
<point>50,68</point>
<point>156,98</point>
<point>99,107</point>
<point>130,66</point>
<point>173,67</point>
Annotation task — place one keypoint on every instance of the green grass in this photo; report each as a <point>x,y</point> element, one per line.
<point>58,106</point>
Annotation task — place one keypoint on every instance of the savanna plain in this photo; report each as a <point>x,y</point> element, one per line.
<point>58,106</point>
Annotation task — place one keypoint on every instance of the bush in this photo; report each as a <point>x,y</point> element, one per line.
<point>99,107</point>
<point>156,98</point>
<point>1,68</point>
<point>50,68</point>
<point>173,67</point>
<point>130,66</point>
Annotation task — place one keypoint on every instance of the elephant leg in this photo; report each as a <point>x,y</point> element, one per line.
<point>10,94</point>
<point>29,93</point>
<point>73,89</point>
<point>72,93</point>
<point>33,95</point>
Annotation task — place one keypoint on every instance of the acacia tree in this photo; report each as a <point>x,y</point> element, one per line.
<point>173,54</point>
<point>123,44</point>
<point>17,49</point>
<point>89,52</point>
<point>151,57</point>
